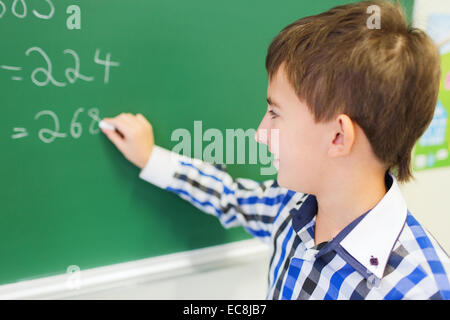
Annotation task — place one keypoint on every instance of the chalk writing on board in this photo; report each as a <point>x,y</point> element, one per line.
<point>12,68</point>
<point>48,135</point>
<point>19,8</point>
<point>19,133</point>
<point>43,76</point>
<point>46,71</point>
<point>72,74</point>
<point>107,63</point>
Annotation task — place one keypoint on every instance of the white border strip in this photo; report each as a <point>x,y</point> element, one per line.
<point>151,269</point>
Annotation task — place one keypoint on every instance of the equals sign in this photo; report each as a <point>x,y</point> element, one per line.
<point>19,133</point>
<point>11,68</point>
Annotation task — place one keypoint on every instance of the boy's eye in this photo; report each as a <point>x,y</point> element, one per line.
<point>273,114</point>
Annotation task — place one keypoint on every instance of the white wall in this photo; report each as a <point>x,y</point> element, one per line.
<point>242,281</point>
<point>236,270</point>
<point>243,276</point>
<point>428,199</point>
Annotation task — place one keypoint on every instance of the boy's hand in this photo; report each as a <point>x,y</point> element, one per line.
<point>138,141</point>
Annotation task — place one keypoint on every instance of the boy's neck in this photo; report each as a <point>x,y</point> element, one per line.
<point>342,201</point>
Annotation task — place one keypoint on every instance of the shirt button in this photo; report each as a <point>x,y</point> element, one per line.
<point>373,261</point>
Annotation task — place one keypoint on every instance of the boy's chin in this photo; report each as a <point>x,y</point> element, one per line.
<point>287,184</point>
<point>281,181</point>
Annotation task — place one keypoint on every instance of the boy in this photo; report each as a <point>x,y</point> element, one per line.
<point>349,103</point>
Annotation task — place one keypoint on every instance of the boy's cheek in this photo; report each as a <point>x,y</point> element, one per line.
<point>297,171</point>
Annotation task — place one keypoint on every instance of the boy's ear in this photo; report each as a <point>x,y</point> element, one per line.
<point>343,136</point>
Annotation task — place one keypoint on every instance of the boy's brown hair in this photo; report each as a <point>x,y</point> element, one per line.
<point>386,79</point>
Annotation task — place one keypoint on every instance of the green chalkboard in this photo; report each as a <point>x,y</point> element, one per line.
<point>67,196</point>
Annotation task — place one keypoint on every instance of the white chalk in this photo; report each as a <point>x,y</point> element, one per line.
<point>105,125</point>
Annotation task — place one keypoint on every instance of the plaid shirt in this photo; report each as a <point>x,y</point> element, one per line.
<point>383,254</point>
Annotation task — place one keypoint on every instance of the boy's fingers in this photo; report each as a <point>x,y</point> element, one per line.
<point>120,125</point>
<point>142,119</point>
<point>130,121</point>
<point>115,138</point>
<point>127,118</point>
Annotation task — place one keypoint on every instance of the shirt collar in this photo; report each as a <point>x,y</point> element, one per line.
<point>373,238</point>
<point>369,239</point>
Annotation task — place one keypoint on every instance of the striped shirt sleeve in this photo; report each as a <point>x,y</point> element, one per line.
<point>235,201</point>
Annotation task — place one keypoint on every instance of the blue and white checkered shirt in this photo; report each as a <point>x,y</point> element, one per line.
<point>383,254</point>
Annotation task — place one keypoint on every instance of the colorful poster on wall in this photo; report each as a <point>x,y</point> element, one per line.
<point>432,149</point>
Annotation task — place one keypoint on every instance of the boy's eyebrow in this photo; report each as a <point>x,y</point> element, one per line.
<point>272,103</point>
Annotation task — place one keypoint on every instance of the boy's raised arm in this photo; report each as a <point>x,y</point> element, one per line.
<point>251,204</point>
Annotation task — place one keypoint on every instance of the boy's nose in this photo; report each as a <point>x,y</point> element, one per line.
<point>261,136</point>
